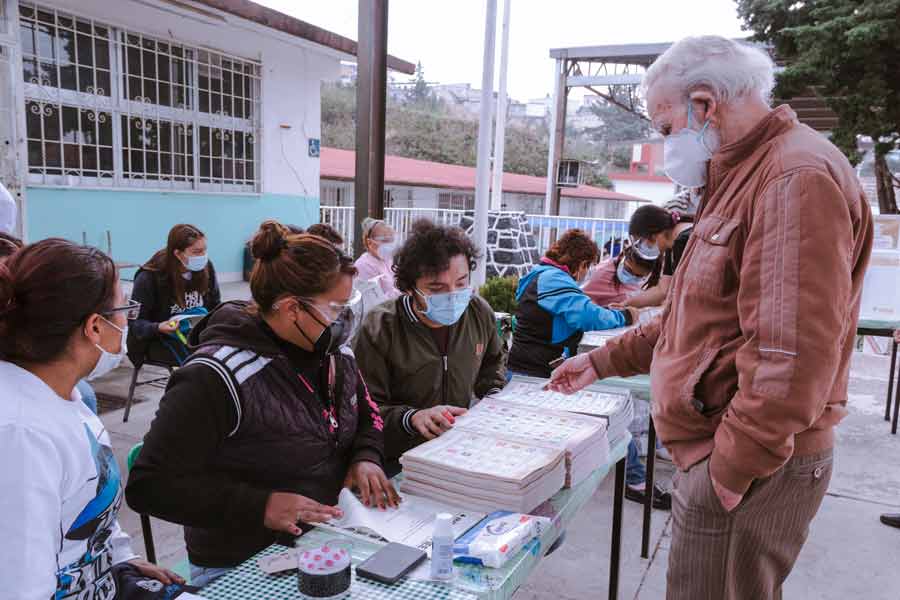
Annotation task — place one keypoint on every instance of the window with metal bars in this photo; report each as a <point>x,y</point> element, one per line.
<point>456,201</point>
<point>113,107</point>
<point>69,140</point>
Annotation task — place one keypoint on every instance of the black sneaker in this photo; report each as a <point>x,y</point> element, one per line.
<point>891,519</point>
<point>662,500</point>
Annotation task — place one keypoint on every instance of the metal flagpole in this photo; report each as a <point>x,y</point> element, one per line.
<point>500,132</point>
<point>483,162</point>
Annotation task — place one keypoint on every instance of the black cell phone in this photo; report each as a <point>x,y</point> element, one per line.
<point>390,563</point>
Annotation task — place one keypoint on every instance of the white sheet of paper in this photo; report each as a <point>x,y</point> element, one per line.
<point>411,523</point>
<point>272,564</point>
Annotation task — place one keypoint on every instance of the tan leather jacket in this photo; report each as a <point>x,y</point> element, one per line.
<point>749,360</point>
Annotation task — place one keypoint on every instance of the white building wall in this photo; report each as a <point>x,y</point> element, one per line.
<point>292,71</point>
<point>657,192</point>
<point>425,197</point>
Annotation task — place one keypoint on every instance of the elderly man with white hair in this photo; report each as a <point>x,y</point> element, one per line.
<point>749,360</point>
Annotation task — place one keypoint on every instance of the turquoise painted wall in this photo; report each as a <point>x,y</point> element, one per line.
<point>140,220</point>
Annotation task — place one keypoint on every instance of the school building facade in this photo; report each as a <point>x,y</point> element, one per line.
<point>123,118</point>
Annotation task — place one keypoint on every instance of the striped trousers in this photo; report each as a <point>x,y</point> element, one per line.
<point>748,553</point>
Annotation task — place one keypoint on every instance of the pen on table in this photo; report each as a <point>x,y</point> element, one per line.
<point>553,364</point>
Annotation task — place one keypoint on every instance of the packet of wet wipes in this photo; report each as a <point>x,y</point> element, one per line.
<point>497,538</point>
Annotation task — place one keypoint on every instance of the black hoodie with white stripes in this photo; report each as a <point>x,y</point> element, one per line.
<point>247,415</point>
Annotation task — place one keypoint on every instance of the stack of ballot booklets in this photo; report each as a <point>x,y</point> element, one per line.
<point>582,438</point>
<point>614,405</point>
<point>483,472</point>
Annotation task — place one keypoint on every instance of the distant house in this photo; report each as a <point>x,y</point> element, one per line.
<point>124,118</point>
<point>645,176</point>
<point>411,183</point>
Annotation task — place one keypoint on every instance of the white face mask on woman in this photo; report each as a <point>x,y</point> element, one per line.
<point>686,153</point>
<point>386,250</point>
<point>108,360</point>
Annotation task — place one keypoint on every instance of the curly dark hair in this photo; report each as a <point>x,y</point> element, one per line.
<point>428,251</point>
<point>573,249</point>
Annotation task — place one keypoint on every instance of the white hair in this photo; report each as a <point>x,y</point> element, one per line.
<point>729,69</point>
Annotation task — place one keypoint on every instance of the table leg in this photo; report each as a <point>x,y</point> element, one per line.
<point>616,548</point>
<point>648,487</point>
<point>887,408</point>
<point>896,407</point>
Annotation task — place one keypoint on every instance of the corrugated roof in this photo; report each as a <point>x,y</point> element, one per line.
<point>279,21</point>
<point>341,165</point>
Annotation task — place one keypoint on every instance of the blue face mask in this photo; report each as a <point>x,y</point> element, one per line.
<point>627,277</point>
<point>447,308</point>
<point>196,263</point>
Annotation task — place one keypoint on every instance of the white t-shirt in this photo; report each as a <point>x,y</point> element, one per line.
<point>61,495</point>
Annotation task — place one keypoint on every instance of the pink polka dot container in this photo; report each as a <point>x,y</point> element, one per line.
<point>323,571</point>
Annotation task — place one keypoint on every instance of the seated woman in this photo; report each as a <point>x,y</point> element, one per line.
<point>259,430</point>
<point>377,261</point>
<point>615,279</point>
<point>10,244</point>
<point>657,232</point>
<point>178,278</point>
<point>63,318</point>
<point>428,353</point>
<point>328,232</point>
<point>554,312</point>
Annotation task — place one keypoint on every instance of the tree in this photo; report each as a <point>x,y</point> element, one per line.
<point>339,116</point>
<point>418,126</point>
<point>619,125</point>
<point>848,51</point>
<point>418,94</point>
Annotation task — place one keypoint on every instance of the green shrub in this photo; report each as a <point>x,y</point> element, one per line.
<point>500,293</point>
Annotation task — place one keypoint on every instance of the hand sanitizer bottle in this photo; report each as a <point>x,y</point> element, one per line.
<point>442,548</point>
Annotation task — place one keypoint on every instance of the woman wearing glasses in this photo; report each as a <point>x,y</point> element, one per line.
<point>261,428</point>
<point>63,318</point>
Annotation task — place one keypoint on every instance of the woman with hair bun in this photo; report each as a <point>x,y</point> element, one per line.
<point>267,421</point>
<point>63,318</point>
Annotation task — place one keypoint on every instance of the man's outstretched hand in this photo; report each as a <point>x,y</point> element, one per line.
<point>575,374</point>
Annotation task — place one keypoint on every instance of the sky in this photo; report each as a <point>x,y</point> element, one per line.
<point>447,36</point>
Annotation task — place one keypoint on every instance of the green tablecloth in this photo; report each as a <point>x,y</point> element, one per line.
<point>248,582</point>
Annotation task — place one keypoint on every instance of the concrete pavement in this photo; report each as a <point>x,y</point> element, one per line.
<point>849,554</point>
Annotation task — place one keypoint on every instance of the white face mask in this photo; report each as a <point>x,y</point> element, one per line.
<point>686,153</point>
<point>587,276</point>
<point>645,249</point>
<point>109,361</point>
<point>386,250</point>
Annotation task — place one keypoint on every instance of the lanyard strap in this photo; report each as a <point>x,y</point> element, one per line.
<point>329,411</point>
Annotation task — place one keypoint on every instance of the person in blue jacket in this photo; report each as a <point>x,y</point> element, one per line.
<point>553,312</point>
